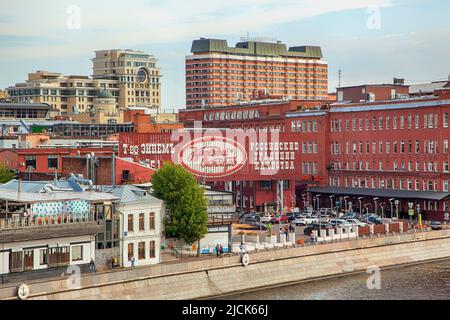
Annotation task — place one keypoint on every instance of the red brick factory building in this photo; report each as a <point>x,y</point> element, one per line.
<point>383,156</point>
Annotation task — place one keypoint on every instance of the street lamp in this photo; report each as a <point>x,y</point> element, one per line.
<point>320,216</point>
<point>304,200</point>
<point>376,208</point>
<point>382,209</point>
<point>331,202</point>
<point>345,199</point>
<point>366,206</point>
<point>391,200</point>
<point>360,205</point>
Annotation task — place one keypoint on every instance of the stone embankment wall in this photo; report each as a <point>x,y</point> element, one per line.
<point>219,276</point>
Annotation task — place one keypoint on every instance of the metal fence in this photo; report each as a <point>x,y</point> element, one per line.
<point>33,222</point>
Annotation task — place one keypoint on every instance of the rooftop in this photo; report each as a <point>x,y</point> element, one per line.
<point>129,194</point>
<point>32,197</point>
<point>256,48</point>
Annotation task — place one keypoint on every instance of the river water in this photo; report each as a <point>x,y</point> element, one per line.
<point>423,281</point>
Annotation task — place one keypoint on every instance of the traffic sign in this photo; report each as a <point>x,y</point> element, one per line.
<point>411,212</point>
<point>410,205</point>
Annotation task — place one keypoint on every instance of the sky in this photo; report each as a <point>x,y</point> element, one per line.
<point>370,41</point>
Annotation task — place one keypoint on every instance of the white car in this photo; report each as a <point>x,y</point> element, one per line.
<point>339,222</point>
<point>305,220</point>
<point>356,222</point>
<point>265,219</point>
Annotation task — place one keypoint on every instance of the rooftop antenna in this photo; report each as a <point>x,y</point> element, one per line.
<point>340,75</point>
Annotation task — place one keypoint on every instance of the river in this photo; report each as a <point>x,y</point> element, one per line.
<point>422,281</point>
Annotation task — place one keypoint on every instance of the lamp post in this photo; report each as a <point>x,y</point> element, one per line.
<point>346,208</point>
<point>391,200</point>
<point>360,205</point>
<point>318,209</point>
<point>397,202</point>
<point>366,206</point>
<point>331,203</point>
<point>376,208</point>
<point>382,209</point>
<point>304,200</point>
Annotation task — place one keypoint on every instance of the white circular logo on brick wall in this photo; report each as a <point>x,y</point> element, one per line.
<point>213,157</point>
<point>23,292</point>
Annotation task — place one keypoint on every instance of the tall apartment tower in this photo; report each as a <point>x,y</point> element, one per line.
<point>139,79</point>
<point>219,75</point>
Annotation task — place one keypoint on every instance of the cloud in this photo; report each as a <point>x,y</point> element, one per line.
<point>108,24</point>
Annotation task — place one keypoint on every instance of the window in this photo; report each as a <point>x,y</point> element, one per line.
<point>445,120</point>
<point>52,162</point>
<point>141,251</point>
<point>130,251</point>
<point>77,253</point>
<point>265,185</point>
<point>152,249</point>
<point>445,150</point>
<point>30,162</point>
<point>130,223</point>
<point>445,166</point>
<point>151,221</point>
<point>141,222</point>
<point>445,185</point>
<point>43,257</point>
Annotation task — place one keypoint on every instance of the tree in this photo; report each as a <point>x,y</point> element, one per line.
<point>6,175</point>
<point>187,218</point>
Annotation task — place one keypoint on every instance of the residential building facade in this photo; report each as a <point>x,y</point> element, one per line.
<point>132,77</point>
<point>219,75</point>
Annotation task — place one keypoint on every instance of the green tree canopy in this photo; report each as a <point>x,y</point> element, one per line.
<point>187,218</point>
<point>6,175</point>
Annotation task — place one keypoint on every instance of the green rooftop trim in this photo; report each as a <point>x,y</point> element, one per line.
<point>255,48</point>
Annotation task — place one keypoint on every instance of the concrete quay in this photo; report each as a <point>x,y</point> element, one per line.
<point>211,277</point>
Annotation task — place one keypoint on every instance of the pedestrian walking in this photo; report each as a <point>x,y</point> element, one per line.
<point>133,261</point>
<point>241,248</point>
<point>221,250</point>
<point>218,250</point>
<point>92,267</point>
<point>269,228</point>
<point>112,263</point>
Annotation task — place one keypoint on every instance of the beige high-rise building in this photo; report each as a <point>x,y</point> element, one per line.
<point>137,75</point>
<point>130,76</point>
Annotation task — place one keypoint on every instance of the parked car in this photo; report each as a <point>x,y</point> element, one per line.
<point>290,216</point>
<point>265,219</point>
<point>339,222</point>
<point>323,218</point>
<point>279,218</point>
<point>375,220</point>
<point>305,220</point>
<point>249,220</point>
<point>260,226</point>
<point>315,226</point>
<point>356,222</point>
<point>436,225</point>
